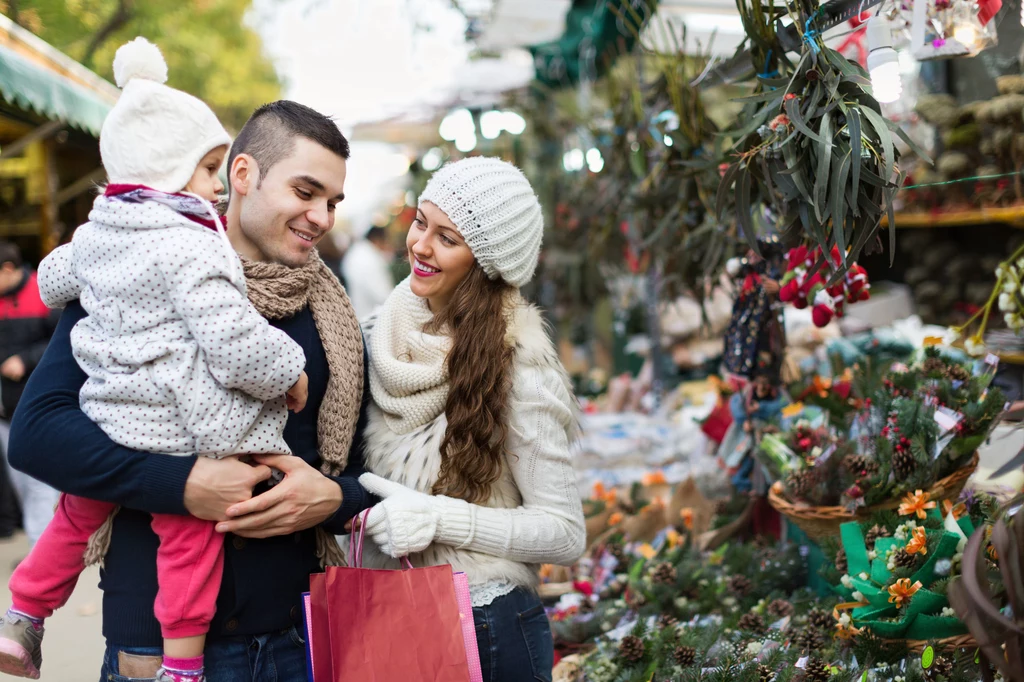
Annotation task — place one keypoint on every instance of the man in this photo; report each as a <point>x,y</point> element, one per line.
<point>26,325</point>
<point>367,271</point>
<point>286,175</point>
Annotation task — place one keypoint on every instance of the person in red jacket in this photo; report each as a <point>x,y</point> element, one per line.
<point>26,325</point>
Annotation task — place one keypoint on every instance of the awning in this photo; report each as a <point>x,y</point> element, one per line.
<point>31,86</point>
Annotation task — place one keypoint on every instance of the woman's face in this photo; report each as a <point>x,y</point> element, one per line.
<point>438,254</point>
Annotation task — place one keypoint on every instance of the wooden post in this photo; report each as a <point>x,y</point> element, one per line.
<point>49,233</point>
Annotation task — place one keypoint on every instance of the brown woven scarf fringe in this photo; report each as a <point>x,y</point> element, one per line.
<point>279,292</point>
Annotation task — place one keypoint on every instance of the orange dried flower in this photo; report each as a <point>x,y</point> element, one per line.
<point>957,511</point>
<point>845,629</point>
<point>654,478</point>
<point>918,542</point>
<point>902,590</point>
<point>615,519</point>
<point>916,503</point>
<point>686,513</point>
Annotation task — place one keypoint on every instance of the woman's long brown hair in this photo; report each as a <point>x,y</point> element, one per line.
<point>479,386</point>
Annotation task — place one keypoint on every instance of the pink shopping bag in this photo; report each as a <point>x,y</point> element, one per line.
<point>468,626</point>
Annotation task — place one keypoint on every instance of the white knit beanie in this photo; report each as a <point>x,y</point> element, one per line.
<point>497,212</point>
<point>155,135</point>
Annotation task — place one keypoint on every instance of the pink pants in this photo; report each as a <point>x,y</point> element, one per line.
<point>189,565</point>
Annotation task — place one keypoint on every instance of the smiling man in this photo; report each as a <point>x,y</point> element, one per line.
<point>287,175</point>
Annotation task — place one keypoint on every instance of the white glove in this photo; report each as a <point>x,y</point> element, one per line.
<point>405,521</point>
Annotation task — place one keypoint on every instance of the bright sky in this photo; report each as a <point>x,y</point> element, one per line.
<point>360,60</point>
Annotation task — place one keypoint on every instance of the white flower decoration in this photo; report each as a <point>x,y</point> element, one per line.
<point>948,612</point>
<point>858,596</point>
<point>863,576</point>
<point>754,648</point>
<point>1007,303</point>
<point>847,582</point>
<point>950,336</point>
<point>872,555</point>
<point>974,346</point>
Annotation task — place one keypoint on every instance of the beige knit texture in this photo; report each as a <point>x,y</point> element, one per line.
<point>408,375</point>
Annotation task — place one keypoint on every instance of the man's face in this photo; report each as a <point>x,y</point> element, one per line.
<point>10,277</point>
<point>282,218</point>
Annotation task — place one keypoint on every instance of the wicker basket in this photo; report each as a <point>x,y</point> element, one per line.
<point>823,522</point>
<point>916,646</point>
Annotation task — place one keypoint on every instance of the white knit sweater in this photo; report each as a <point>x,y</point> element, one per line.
<point>534,514</point>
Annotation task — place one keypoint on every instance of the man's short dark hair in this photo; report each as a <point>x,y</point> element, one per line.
<point>10,253</point>
<point>269,134</point>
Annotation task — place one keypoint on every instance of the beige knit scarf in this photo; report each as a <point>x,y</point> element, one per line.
<point>279,292</point>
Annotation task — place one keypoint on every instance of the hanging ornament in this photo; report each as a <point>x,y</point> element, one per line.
<point>941,29</point>
<point>802,290</point>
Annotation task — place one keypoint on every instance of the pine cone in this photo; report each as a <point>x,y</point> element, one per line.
<point>664,574</point>
<point>780,609</point>
<point>810,639</point>
<point>874,533</point>
<point>941,667</point>
<point>821,620</point>
<point>684,656</point>
<point>667,620</point>
<point>861,466</point>
<point>739,585</point>
<point>765,673</point>
<point>904,559</point>
<point>631,649</point>
<point>956,372</point>
<point>903,464</point>
<point>841,564</point>
<point>620,555</point>
<point>934,366</point>
<point>635,600</point>
<point>817,670</point>
<point>751,622</point>
<point>799,484</point>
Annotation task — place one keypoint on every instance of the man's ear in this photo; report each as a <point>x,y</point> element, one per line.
<point>8,267</point>
<point>243,174</point>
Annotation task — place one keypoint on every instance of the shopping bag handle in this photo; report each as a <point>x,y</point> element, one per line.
<point>358,558</point>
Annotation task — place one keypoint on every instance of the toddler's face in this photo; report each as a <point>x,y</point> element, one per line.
<point>204,181</point>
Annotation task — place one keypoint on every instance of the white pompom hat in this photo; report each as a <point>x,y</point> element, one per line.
<point>154,135</point>
<point>496,211</point>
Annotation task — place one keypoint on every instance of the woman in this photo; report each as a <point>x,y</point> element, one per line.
<point>468,438</point>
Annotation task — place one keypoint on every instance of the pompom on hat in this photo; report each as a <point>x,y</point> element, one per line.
<point>497,212</point>
<point>154,135</point>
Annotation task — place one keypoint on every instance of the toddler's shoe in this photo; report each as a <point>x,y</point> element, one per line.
<point>21,646</point>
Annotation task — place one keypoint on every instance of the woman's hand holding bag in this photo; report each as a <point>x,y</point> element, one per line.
<point>405,521</point>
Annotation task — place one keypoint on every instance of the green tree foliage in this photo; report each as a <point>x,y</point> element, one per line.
<point>210,49</point>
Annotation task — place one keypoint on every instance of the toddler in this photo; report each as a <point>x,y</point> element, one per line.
<point>178,360</point>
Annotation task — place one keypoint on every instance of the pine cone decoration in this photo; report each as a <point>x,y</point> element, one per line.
<point>841,564</point>
<point>664,574</point>
<point>620,556</point>
<point>817,670</point>
<point>667,620</point>
<point>861,466</point>
<point>821,620</point>
<point>941,667</point>
<point>903,464</point>
<point>635,600</point>
<point>765,673</point>
<point>874,533</point>
<point>799,484</point>
<point>631,649</point>
<point>739,585</point>
<point>780,609</point>
<point>956,372</point>
<point>751,622</point>
<point>904,559</point>
<point>810,639</point>
<point>684,656</point>
<point>934,366</point>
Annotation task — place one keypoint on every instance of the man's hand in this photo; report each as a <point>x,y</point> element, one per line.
<point>305,498</point>
<point>13,368</point>
<point>298,394</point>
<point>771,286</point>
<point>216,484</point>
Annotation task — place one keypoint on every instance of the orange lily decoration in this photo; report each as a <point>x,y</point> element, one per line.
<point>615,519</point>
<point>603,494</point>
<point>957,511</point>
<point>902,590</point>
<point>845,629</point>
<point>821,385</point>
<point>918,543</point>
<point>916,503</point>
<point>654,478</point>
<point>687,515</point>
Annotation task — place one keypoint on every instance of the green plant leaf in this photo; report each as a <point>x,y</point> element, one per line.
<point>792,107</point>
<point>853,124</point>
<point>766,96</point>
<point>743,210</point>
<point>824,161</point>
<point>795,166</point>
<point>885,138</point>
<point>840,173</point>
<point>891,215</point>
<point>914,147</point>
<point>724,188</point>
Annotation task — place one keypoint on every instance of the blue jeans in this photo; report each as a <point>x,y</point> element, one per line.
<point>514,638</point>
<point>279,657</point>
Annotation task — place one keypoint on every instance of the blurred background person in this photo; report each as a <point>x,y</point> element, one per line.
<point>26,325</point>
<point>366,270</point>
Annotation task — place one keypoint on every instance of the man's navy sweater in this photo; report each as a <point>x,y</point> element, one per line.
<point>54,441</point>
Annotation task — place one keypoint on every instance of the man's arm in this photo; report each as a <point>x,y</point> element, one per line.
<point>54,441</point>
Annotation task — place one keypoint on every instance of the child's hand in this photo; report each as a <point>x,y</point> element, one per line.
<point>297,395</point>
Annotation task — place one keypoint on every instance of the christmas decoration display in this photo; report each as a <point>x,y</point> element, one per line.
<point>803,287</point>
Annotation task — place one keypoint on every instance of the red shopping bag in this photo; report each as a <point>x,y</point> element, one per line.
<point>389,626</point>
